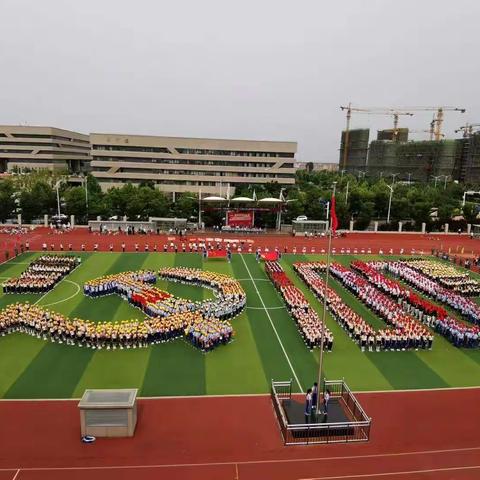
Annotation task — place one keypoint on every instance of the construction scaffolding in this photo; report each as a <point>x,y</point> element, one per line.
<point>419,160</point>
<point>357,149</point>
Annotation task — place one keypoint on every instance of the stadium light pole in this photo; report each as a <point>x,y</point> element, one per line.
<point>324,308</point>
<point>389,202</point>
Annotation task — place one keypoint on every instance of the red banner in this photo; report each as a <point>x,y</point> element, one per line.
<point>239,219</point>
<point>216,253</point>
<point>270,256</point>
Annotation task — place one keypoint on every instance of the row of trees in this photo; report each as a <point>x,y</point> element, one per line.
<point>361,200</point>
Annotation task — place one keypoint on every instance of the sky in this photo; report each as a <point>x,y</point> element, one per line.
<point>250,69</point>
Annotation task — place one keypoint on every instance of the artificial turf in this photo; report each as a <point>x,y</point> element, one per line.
<point>34,368</point>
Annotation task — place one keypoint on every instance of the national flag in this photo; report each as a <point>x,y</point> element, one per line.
<point>333,215</point>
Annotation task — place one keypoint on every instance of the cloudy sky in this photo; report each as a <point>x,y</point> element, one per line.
<point>256,69</point>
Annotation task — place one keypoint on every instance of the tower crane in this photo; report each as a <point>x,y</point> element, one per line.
<point>369,111</point>
<point>468,129</point>
<point>437,121</point>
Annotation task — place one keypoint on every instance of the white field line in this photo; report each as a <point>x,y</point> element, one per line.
<point>263,308</point>
<point>55,286</point>
<point>273,326</point>
<point>68,298</point>
<point>235,395</point>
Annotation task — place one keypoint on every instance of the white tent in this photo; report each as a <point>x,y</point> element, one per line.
<point>213,199</point>
<point>242,199</point>
<point>270,200</point>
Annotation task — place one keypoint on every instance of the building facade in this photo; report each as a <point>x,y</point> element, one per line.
<point>24,148</point>
<point>195,165</point>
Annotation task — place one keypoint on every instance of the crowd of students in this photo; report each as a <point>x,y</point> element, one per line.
<point>42,274</point>
<point>307,319</point>
<point>351,322</point>
<point>447,276</point>
<point>464,305</point>
<point>404,334</point>
<point>42,323</point>
<point>434,316</point>
<point>407,332</point>
<point>204,323</point>
<point>230,296</point>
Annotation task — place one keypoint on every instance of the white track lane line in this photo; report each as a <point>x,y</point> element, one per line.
<point>253,462</point>
<point>273,326</point>
<point>390,474</point>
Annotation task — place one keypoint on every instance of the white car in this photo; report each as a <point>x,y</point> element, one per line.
<point>302,218</point>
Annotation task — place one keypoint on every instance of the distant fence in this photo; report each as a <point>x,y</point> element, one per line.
<point>357,429</point>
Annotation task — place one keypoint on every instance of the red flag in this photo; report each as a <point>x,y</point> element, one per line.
<point>333,215</point>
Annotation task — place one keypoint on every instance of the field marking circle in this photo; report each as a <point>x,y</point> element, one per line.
<point>68,298</point>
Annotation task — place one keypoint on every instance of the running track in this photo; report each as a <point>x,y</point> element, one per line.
<point>375,241</point>
<point>415,435</point>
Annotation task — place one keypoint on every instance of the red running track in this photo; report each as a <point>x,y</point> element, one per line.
<point>375,241</point>
<point>415,435</point>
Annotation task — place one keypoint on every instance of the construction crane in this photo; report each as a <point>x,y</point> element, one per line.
<point>429,131</point>
<point>369,111</point>
<point>437,121</point>
<point>468,129</point>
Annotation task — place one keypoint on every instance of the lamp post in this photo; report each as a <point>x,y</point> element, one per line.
<point>57,185</point>
<point>85,185</point>
<point>446,178</point>
<point>389,202</point>
<point>436,178</point>
<point>409,177</point>
<point>324,307</point>
<point>393,177</point>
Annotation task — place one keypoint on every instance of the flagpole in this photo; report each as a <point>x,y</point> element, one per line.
<point>324,308</point>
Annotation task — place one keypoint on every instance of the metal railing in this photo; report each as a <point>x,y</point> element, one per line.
<point>357,429</point>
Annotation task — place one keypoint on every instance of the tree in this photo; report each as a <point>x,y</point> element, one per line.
<point>7,200</point>
<point>41,199</point>
<point>186,206</point>
<point>75,203</point>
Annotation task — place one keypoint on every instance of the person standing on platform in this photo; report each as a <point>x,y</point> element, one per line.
<point>326,400</point>
<point>308,405</point>
<point>314,397</point>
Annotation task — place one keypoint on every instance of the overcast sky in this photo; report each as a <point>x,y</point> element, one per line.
<point>254,69</point>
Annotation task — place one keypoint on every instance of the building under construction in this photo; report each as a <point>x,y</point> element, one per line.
<point>467,164</point>
<point>357,150</point>
<point>413,160</point>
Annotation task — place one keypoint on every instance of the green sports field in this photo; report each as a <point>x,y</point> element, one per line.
<point>266,346</point>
